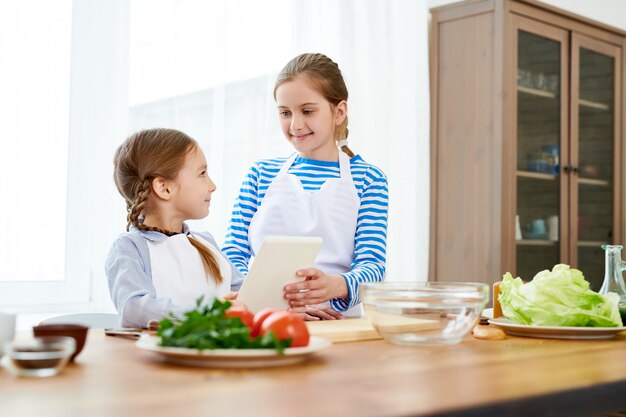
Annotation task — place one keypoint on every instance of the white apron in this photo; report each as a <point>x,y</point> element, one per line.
<point>178,272</point>
<point>330,213</point>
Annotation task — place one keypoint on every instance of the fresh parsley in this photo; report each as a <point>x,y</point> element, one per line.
<point>206,327</point>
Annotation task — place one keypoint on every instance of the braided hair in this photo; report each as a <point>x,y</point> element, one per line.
<point>325,76</point>
<point>144,156</point>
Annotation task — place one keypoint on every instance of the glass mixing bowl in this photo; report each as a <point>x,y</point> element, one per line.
<point>424,313</point>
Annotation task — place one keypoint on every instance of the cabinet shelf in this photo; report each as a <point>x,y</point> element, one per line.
<point>536,92</point>
<point>535,242</point>
<point>536,175</point>
<point>591,243</point>
<point>545,242</point>
<point>593,105</point>
<point>549,94</point>
<point>550,177</point>
<point>591,181</point>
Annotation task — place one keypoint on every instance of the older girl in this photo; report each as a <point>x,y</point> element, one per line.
<point>159,265</point>
<point>323,189</point>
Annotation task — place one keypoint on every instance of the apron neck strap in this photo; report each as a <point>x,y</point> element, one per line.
<point>344,165</point>
<point>288,163</point>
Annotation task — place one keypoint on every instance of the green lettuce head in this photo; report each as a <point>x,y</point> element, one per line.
<point>560,297</point>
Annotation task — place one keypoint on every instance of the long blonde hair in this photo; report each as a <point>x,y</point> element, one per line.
<point>144,156</point>
<point>325,76</point>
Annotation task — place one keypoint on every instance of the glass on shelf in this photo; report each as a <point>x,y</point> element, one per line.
<point>544,160</point>
<point>538,80</point>
<point>588,170</point>
<point>538,229</point>
<point>524,77</point>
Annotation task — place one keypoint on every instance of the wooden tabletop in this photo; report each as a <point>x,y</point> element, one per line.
<point>512,377</point>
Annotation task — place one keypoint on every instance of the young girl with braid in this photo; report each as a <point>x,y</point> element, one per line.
<point>323,189</point>
<point>160,266</point>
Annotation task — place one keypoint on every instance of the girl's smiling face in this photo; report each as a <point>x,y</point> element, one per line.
<point>308,120</point>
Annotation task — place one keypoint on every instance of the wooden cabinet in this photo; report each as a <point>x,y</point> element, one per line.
<point>526,141</point>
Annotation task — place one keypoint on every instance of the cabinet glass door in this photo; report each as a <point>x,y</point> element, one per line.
<point>539,187</point>
<point>594,153</point>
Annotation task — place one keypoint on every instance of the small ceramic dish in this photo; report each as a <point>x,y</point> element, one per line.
<point>39,356</point>
<point>76,331</point>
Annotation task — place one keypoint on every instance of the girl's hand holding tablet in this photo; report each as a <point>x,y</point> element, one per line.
<point>316,288</point>
<point>232,297</point>
<point>316,312</point>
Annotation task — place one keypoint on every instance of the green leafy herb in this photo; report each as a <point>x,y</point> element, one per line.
<point>206,327</point>
<point>560,297</point>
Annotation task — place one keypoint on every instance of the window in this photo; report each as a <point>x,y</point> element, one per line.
<point>78,77</point>
<point>35,43</point>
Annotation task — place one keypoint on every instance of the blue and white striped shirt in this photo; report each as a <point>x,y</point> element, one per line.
<point>129,275</point>
<point>371,230</point>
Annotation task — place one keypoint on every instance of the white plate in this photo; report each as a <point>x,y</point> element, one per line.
<point>231,358</point>
<point>556,332</point>
<point>488,312</point>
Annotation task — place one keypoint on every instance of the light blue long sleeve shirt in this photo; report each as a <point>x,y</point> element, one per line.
<point>129,276</point>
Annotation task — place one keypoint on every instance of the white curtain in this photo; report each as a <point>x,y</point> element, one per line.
<point>93,122</point>
<point>208,68</point>
<point>382,49</point>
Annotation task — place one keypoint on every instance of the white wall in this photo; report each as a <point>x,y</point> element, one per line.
<point>610,12</point>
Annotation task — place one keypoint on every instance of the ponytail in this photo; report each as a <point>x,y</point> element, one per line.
<point>342,144</point>
<point>136,207</point>
<point>347,151</point>
<point>211,266</point>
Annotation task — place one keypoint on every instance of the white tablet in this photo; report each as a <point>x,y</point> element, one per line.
<point>274,267</point>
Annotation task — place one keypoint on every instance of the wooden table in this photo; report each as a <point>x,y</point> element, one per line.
<point>513,377</point>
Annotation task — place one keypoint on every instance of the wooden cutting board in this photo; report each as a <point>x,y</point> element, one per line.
<point>350,330</point>
<point>346,330</point>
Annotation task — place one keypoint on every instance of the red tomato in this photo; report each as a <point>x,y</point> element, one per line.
<point>243,314</point>
<point>286,325</point>
<point>259,318</point>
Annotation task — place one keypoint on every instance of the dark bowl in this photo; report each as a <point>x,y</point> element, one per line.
<point>76,331</point>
